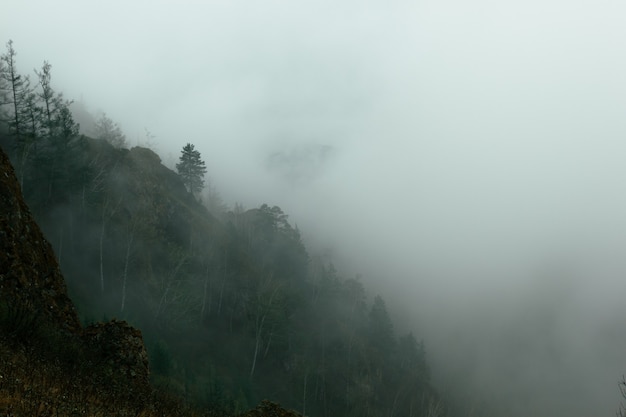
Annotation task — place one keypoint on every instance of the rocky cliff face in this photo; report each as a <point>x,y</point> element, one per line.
<point>29,273</point>
<point>31,283</point>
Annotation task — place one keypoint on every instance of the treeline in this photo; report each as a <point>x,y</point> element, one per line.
<point>233,309</point>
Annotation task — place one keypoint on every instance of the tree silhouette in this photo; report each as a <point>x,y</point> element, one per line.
<point>191,169</point>
<point>23,106</point>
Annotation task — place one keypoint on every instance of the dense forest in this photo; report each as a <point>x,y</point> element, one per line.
<point>232,306</point>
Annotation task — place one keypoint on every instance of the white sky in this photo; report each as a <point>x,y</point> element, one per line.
<point>474,145</point>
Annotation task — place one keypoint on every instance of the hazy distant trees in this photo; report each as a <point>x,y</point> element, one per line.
<point>107,129</point>
<point>192,169</point>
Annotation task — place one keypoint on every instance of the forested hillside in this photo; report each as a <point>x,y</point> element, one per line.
<point>232,306</point>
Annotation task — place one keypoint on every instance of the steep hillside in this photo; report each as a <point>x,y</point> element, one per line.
<point>49,363</point>
<point>30,278</point>
<point>234,310</point>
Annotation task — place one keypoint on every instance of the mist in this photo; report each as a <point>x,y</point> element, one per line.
<point>465,157</point>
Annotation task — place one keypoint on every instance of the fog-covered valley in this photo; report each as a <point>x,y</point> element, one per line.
<point>464,158</point>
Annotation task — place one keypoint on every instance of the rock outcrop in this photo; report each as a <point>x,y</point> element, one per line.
<point>269,409</point>
<point>121,348</point>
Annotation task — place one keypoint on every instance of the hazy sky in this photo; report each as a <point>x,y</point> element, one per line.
<point>467,156</point>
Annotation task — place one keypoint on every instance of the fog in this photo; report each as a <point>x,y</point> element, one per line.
<point>466,157</point>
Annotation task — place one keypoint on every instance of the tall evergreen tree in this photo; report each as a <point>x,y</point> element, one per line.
<point>192,169</point>
<point>18,89</point>
<point>51,102</point>
<point>4,92</point>
<point>22,103</point>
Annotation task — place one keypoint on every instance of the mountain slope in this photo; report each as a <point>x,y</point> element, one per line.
<point>233,310</point>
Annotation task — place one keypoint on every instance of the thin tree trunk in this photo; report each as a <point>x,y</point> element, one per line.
<point>125,276</point>
<point>169,285</point>
<point>101,255</point>
<point>269,342</point>
<point>204,295</point>
<point>306,376</point>
<point>104,220</point>
<point>219,304</point>
<point>256,352</point>
<point>60,246</point>
<point>259,329</point>
<point>260,323</point>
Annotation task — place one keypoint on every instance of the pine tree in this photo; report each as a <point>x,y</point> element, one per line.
<point>23,107</point>
<point>191,169</point>
<point>51,101</point>
<point>18,89</point>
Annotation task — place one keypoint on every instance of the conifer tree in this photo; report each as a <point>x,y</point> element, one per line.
<point>191,168</point>
<point>52,103</point>
<point>23,107</point>
<point>18,89</point>
<point>4,92</point>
